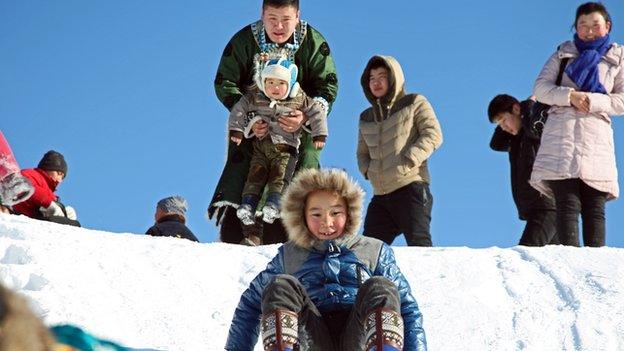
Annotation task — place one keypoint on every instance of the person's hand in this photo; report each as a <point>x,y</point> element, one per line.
<point>319,144</point>
<point>291,122</point>
<point>580,100</point>
<point>53,210</point>
<point>236,140</point>
<point>4,210</point>
<point>260,129</point>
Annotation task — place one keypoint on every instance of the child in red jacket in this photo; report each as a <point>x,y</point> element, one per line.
<point>44,204</point>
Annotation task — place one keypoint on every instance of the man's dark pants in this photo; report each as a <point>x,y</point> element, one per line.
<point>540,228</point>
<point>406,210</point>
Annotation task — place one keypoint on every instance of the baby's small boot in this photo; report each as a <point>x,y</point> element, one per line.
<point>271,210</point>
<point>246,210</point>
<point>384,330</point>
<point>14,188</point>
<point>280,330</point>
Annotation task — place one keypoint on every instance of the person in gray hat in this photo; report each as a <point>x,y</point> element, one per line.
<point>170,219</point>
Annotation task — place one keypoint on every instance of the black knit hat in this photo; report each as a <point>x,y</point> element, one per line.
<point>53,161</point>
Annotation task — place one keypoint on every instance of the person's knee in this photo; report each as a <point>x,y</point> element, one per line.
<point>594,212</point>
<point>379,282</point>
<point>568,204</point>
<point>284,292</point>
<point>282,284</point>
<point>379,292</point>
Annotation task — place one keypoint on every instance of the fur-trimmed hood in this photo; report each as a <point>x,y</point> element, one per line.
<point>308,180</point>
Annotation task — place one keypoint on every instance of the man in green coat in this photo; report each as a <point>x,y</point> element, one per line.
<point>279,32</point>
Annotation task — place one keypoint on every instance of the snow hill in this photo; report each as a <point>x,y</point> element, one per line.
<point>172,294</point>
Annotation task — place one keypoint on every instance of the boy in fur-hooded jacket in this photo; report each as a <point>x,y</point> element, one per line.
<point>328,288</point>
<point>274,157</point>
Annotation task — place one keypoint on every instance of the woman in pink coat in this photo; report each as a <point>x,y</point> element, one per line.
<point>576,160</point>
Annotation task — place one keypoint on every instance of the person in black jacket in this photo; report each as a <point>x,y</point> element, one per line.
<point>514,134</point>
<point>171,218</point>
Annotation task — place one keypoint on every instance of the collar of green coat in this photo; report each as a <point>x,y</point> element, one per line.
<point>274,50</point>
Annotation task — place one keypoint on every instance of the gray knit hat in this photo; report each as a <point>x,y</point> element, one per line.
<point>173,204</point>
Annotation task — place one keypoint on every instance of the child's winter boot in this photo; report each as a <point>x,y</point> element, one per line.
<point>384,331</point>
<point>270,211</point>
<point>14,188</point>
<point>246,210</point>
<point>280,330</point>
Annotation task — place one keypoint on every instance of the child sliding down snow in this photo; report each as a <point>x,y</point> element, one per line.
<point>328,288</point>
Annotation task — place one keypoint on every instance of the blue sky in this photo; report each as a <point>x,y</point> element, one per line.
<point>124,90</point>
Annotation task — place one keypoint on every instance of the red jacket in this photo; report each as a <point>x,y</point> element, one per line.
<point>43,196</point>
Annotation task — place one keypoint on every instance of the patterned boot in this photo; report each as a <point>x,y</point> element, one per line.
<point>384,331</point>
<point>14,188</point>
<point>280,330</point>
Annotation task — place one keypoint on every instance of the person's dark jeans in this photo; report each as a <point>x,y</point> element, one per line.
<point>406,210</point>
<point>540,229</point>
<point>573,196</point>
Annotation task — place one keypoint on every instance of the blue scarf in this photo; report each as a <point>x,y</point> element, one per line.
<point>584,70</point>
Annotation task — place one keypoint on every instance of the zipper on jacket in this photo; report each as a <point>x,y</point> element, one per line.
<point>381,115</point>
<point>380,146</point>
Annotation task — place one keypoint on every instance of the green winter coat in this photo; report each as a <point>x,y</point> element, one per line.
<point>317,77</point>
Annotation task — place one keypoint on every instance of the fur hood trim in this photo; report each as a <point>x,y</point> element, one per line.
<point>308,180</point>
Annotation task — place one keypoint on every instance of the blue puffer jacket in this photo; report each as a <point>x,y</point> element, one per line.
<point>331,272</point>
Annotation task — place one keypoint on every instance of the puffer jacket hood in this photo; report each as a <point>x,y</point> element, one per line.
<point>308,180</point>
<point>396,81</point>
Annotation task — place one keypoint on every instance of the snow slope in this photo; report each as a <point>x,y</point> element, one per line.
<point>172,294</point>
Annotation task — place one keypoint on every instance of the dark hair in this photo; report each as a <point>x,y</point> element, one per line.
<point>377,62</point>
<point>591,7</point>
<point>280,3</point>
<point>500,104</point>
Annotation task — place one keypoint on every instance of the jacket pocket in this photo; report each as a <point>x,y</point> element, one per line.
<point>405,165</point>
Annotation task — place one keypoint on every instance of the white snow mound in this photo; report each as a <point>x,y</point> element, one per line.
<point>173,294</point>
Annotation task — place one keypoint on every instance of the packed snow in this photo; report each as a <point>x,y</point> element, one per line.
<point>172,294</point>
